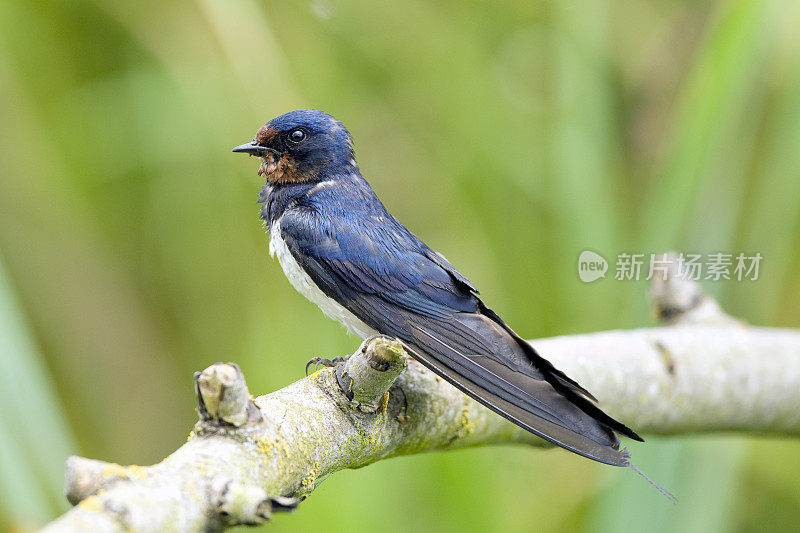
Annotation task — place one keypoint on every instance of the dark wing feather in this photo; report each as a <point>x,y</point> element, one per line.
<point>397,285</point>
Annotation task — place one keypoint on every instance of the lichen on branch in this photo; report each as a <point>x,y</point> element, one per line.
<point>247,459</point>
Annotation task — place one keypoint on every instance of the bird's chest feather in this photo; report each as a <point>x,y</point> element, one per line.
<point>303,284</point>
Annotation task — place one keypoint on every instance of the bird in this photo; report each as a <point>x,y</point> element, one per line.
<point>340,248</point>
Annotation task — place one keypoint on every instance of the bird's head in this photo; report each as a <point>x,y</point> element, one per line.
<point>300,147</point>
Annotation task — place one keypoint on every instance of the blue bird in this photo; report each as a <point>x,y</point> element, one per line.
<point>341,249</point>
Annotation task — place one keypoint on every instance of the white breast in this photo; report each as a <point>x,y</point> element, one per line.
<point>303,283</point>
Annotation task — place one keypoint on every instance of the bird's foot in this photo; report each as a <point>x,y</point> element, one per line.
<point>321,361</point>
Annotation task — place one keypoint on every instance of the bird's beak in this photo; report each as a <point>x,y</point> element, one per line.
<point>254,148</point>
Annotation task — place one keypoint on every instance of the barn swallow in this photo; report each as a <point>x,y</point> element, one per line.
<point>341,249</point>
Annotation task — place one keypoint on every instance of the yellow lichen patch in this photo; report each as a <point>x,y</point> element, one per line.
<point>268,449</point>
<point>200,468</point>
<point>307,483</point>
<point>317,375</point>
<point>384,401</point>
<point>113,470</point>
<point>465,423</point>
<point>265,446</point>
<point>138,472</point>
<point>92,503</point>
<point>191,436</point>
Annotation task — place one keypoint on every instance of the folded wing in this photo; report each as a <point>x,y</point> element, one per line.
<point>393,282</point>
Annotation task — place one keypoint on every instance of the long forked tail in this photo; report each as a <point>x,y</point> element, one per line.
<point>671,497</point>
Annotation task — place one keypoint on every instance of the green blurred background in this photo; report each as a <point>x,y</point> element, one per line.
<point>508,135</point>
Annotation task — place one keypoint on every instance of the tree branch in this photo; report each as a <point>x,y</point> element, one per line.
<point>246,459</point>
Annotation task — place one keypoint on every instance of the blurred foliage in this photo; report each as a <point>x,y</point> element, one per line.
<point>34,439</point>
<point>508,135</point>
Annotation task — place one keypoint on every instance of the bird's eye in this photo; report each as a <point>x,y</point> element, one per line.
<point>297,136</point>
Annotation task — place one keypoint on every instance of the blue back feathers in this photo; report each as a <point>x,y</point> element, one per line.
<point>337,226</point>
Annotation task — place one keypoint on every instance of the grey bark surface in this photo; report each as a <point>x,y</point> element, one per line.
<point>249,458</point>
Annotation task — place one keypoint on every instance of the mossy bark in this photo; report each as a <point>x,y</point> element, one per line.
<point>246,459</point>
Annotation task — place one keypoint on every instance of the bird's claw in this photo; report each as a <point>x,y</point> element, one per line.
<point>317,361</point>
